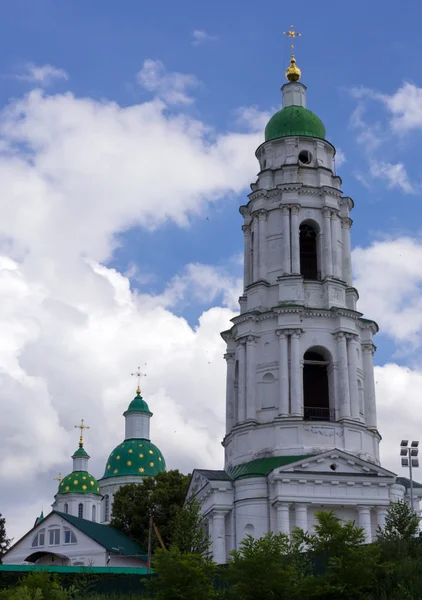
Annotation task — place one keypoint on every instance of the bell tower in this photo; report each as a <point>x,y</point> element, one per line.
<point>300,377</point>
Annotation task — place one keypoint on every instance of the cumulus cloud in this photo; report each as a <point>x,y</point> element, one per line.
<point>74,175</point>
<point>43,75</point>
<point>173,88</point>
<point>199,36</point>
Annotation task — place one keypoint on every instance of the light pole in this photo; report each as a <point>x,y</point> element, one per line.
<point>409,459</point>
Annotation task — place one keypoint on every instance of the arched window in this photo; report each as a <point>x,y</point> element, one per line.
<point>66,508</point>
<point>81,511</point>
<point>106,507</point>
<point>39,539</point>
<point>69,536</point>
<point>249,529</point>
<point>308,251</point>
<point>94,513</point>
<point>316,400</point>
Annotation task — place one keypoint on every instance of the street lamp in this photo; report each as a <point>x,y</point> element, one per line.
<point>409,459</point>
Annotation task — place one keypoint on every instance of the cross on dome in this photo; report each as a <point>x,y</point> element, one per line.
<point>81,427</point>
<point>59,478</point>
<point>293,72</point>
<point>138,374</point>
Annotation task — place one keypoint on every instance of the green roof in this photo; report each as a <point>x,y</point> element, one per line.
<point>111,539</point>
<point>79,482</point>
<point>81,452</point>
<point>406,482</point>
<point>261,466</point>
<point>135,457</point>
<point>138,404</point>
<point>294,120</point>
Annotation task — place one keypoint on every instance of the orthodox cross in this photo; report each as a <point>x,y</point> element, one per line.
<point>59,478</point>
<point>292,34</point>
<point>81,427</point>
<point>138,374</point>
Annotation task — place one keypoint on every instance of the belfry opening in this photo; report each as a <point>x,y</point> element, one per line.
<point>308,251</point>
<point>316,395</point>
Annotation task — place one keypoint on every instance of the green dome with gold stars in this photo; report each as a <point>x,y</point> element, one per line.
<point>135,457</point>
<point>79,482</point>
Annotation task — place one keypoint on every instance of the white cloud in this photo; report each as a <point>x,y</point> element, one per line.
<point>388,275</point>
<point>173,88</point>
<point>340,157</point>
<point>199,36</point>
<point>395,175</point>
<point>252,118</point>
<point>43,75</point>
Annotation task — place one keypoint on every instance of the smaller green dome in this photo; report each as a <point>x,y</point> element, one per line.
<point>81,452</point>
<point>135,457</point>
<point>138,404</point>
<point>79,482</point>
<point>294,120</point>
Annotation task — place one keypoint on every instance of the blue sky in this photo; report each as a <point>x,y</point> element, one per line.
<point>102,46</point>
<point>66,167</point>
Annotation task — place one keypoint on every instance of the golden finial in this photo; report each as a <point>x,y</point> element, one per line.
<point>81,427</point>
<point>293,72</point>
<point>138,374</point>
<point>59,478</point>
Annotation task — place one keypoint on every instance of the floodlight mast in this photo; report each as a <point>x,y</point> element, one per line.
<point>411,453</point>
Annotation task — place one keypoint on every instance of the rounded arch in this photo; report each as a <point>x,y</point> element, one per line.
<point>308,249</point>
<point>249,529</point>
<point>316,388</point>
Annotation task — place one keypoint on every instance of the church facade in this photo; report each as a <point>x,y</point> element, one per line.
<point>301,424</point>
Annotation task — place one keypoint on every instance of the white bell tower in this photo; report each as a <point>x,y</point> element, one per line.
<point>301,428</point>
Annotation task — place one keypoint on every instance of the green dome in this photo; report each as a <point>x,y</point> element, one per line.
<point>135,457</point>
<point>138,404</point>
<point>294,120</point>
<point>79,482</point>
<point>81,452</point>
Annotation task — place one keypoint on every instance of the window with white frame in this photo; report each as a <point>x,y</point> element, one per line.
<point>69,536</point>
<point>81,511</point>
<point>39,539</point>
<point>54,537</point>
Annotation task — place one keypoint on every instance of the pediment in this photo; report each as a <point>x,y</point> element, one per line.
<point>335,462</point>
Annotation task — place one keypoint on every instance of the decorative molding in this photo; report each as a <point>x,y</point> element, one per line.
<point>346,222</point>
<point>229,356</point>
<point>246,229</point>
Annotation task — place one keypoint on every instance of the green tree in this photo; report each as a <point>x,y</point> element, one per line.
<point>4,540</point>
<point>37,586</point>
<point>263,568</point>
<point>188,531</point>
<point>400,523</point>
<point>182,576</point>
<point>348,568</point>
<point>163,494</point>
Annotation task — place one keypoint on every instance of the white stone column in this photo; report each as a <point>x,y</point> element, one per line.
<point>347,254</point>
<point>295,239</point>
<point>301,512</point>
<point>283,522</point>
<point>247,267</point>
<point>343,377</point>
<point>353,376</point>
<point>381,514</point>
<point>241,389</point>
<point>283,369</point>
<point>230,399</point>
<point>287,269</point>
<point>255,242</point>
<point>250,378</point>
<point>295,375</point>
<point>369,385</point>
<point>365,522</point>
<point>262,218</point>
<point>328,262</point>
<point>219,536</point>
<point>334,243</point>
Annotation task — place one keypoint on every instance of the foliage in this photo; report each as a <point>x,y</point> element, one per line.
<point>263,568</point>
<point>164,494</point>
<point>398,537</point>
<point>182,576</point>
<point>4,541</point>
<point>37,586</point>
<point>349,568</point>
<point>188,531</point>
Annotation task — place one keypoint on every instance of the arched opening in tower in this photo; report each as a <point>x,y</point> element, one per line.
<point>308,251</point>
<point>316,396</point>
